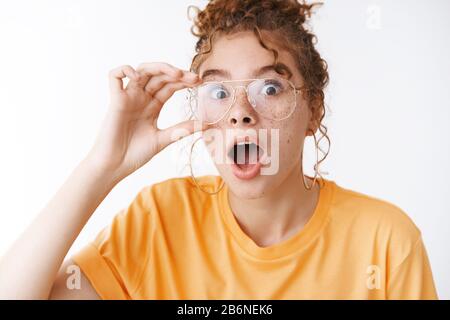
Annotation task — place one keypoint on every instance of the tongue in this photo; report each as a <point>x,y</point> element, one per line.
<point>250,157</point>
<point>246,166</point>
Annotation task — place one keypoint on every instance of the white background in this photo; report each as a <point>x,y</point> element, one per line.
<point>389,99</point>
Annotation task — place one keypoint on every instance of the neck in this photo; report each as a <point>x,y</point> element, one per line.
<point>278,215</point>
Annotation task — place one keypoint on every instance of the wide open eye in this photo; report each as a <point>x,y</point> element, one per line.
<point>216,92</point>
<point>271,87</point>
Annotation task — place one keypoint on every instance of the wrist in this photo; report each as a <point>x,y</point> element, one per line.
<point>109,177</point>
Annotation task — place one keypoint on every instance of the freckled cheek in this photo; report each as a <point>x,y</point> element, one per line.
<point>290,140</point>
<point>289,143</point>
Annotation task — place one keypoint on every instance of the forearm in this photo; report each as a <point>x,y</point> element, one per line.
<point>29,268</point>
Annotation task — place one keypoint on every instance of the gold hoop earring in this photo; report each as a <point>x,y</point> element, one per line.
<point>316,166</point>
<point>192,173</point>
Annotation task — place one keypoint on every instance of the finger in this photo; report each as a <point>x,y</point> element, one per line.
<point>189,76</point>
<point>117,74</point>
<point>145,77</point>
<point>162,95</point>
<point>155,68</point>
<point>139,81</point>
<point>156,83</point>
<point>179,131</point>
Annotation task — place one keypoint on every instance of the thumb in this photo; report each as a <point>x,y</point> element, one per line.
<point>179,131</point>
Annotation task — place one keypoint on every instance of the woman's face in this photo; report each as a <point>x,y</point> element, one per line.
<point>241,56</point>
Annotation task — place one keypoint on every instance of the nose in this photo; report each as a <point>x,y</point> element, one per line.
<point>242,112</point>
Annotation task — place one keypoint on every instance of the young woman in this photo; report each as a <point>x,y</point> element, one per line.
<point>260,230</point>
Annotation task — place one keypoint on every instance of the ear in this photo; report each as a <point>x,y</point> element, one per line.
<point>314,122</point>
<point>312,128</point>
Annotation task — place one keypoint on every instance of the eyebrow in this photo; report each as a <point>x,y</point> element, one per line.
<point>279,68</point>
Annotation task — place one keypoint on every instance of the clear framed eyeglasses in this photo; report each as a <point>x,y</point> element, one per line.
<point>272,98</point>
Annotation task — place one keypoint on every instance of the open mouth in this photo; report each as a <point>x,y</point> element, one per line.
<point>246,156</point>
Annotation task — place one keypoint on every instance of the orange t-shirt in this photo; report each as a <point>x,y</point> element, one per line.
<point>176,242</point>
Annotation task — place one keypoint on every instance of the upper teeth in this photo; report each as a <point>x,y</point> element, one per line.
<point>243,143</point>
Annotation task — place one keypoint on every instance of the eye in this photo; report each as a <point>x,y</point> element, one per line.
<point>271,87</point>
<point>218,92</point>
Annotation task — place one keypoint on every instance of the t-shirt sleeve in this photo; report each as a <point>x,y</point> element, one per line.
<point>114,261</point>
<point>412,279</point>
